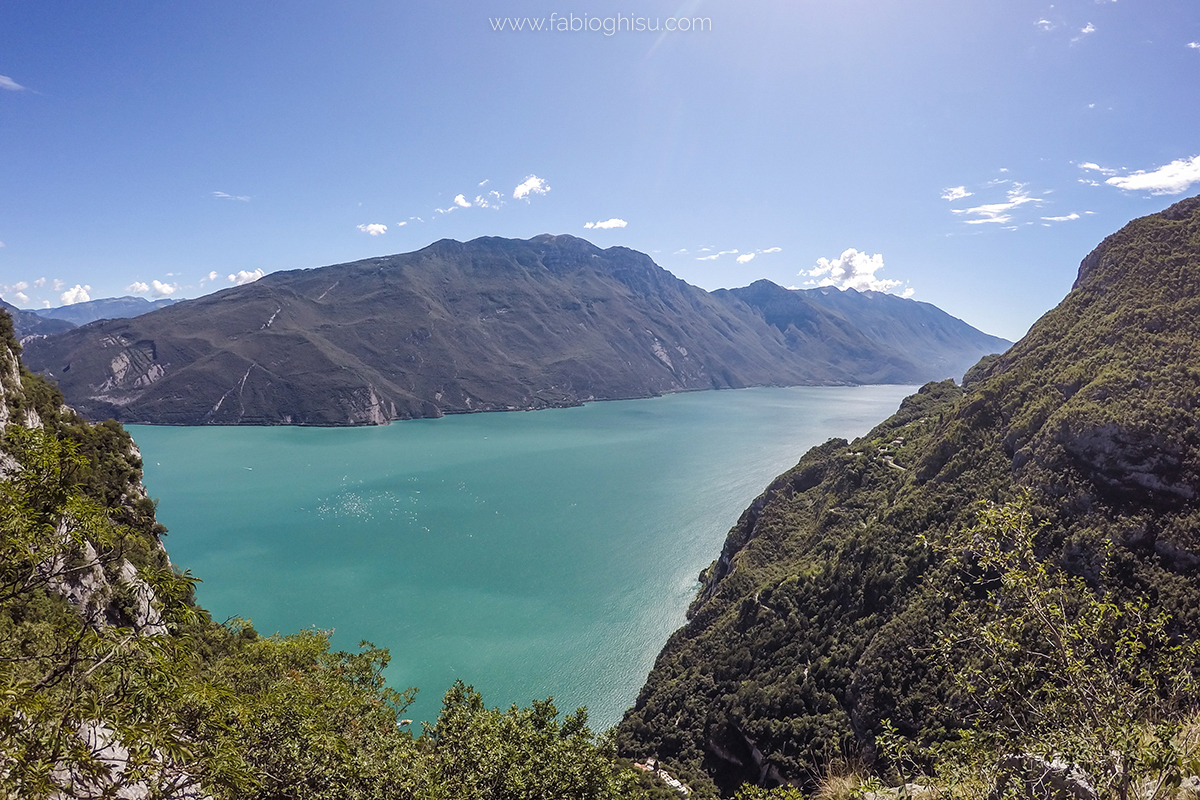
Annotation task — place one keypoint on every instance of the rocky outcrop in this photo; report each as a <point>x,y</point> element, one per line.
<point>103,591</point>
<point>109,774</point>
<point>1039,779</point>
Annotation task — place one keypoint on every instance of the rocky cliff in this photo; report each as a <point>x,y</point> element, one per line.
<point>102,587</point>
<point>816,621</point>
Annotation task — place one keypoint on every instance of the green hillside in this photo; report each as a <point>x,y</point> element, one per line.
<point>818,620</point>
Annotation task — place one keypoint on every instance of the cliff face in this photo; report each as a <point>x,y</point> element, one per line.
<point>103,588</point>
<point>491,324</point>
<point>809,628</point>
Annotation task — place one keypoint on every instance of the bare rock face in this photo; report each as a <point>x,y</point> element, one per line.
<point>1039,779</point>
<point>103,593</point>
<point>1130,466</point>
<point>113,776</point>
<point>123,599</point>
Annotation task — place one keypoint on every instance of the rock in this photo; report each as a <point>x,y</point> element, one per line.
<point>109,779</point>
<point>1042,780</point>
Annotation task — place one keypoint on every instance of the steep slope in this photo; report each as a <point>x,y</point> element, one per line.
<point>27,324</point>
<point>914,338</point>
<point>920,331</point>
<point>816,621</point>
<point>104,308</point>
<point>492,324</point>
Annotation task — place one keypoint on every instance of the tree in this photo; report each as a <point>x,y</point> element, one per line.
<point>1057,681</point>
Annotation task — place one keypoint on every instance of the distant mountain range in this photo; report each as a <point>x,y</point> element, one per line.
<point>30,323</point>
<point>107,308</point>
<point>490,324</point>
<point>49,321</point>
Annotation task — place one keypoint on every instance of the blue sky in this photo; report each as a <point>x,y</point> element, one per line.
<point>967,152</point>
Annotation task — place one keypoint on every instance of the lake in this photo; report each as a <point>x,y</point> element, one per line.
<point>527,553</point>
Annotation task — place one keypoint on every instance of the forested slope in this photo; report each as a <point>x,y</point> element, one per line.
<point>817,621</point>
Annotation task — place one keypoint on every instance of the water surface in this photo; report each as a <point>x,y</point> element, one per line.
<point>530,554</point>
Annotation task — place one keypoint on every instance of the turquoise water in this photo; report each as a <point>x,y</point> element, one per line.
<point>529,554</point>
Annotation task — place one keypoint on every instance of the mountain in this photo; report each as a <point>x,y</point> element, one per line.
<point>491,324</point>
<point>28,323</point>
<point>918,338</point>
<point>105,308</point>
<point>816,622</point>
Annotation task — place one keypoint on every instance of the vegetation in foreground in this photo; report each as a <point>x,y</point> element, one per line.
<point>814,626</point>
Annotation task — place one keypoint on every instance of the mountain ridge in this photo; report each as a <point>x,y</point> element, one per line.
<point>457,327</point>
<point>104,308</point>
<point>815,623</point>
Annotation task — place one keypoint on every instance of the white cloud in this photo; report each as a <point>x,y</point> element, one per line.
<point>76,294</point>
<point>532,185</point>
<point>908,292</point>
<point>1044,24</point>
<point>8,83</point>
<point>1194,45</point>
<point>772,250</point>
<point>1096,168</point>
<point>680,251</point>
<point>484,182</point>
<point>1086,29</point>
<point>373,228</point>
<point>57,285</point>
<point>212,276</point>
<point>461,201</point>
<point>998,212</point>
<point>401,224</point>
<point>224,196</point>
<point>1171,178</point>
<point>714,256</point>
<point>20,297</point>
<point>852,270</point>
<point>20,286</point>
<point>137,287</point>
<point>243,277</point>
<point>606,224</point>
<point>742,259</point>
<point>491,200</point>
<point>1067,218</point>
<point>39,283</point>
<point>159,289</point>
<point>45,304</point>
<point>955,193</point>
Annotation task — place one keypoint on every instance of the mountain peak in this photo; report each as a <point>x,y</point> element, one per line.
<point>1137,256</point>
<point>489,324</point>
